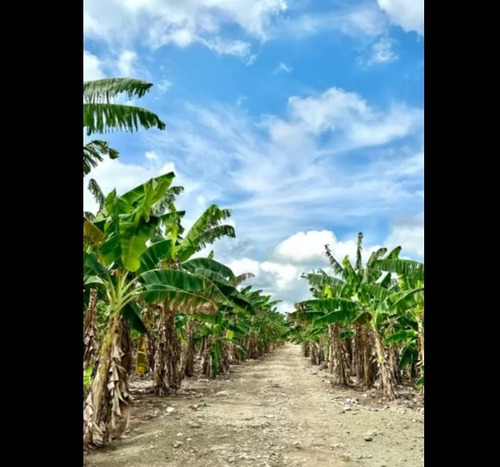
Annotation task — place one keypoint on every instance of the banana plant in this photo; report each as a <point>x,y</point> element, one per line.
<point>408,302</point>
<point>173,253</point>
<point>126,223</point>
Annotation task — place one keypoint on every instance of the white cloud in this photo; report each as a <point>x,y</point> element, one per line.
<point>164,85</point>
<point>281,280</point>
<point>244,265</point>
<point>347,113</point>
<point>409,14</point>
<point>251,60</point>
<point>240,100</point>
<point>308,248</point>
<point>358,21</point>
<point>305,247</point>
<point>162,22</point>
<point>283,67</point>
<point>276,171</point>
<point>409,234</point>
<point>226,47</point>
<point>300,253</point>
<point>92,67</point>
<point>286,205</point>
<point>283,275</point>
<point>382,52</point>
<point>125,63</point>
<point>151,155</point>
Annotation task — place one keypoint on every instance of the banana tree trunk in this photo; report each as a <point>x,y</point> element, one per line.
<point>206,366</point>
<point>143,356</point>
<point>386,373</point>
<point>252,349</point>
<point>107,407</point>
<point>90,332</point>
<point>233,355</point>
<point>368,374</point>
<point>357,367</point>
<point>167,355</point>
<point>314,353</point>
<point>186,353</point>
<point>224,362</point>
<point>338,364</point>
<point>394,363</point>
<point>421,346</point>
<point>321,351</point>
<point>306,349</point>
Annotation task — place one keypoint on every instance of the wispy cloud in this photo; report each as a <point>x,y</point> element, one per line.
<point>164,85</point>
<point>283,67</point>
<point>163,22</point>
<point>382,51</point>
<point>251,60</point>
<point>358,20</point>
<point>227,47</point>
<point>281,170</point>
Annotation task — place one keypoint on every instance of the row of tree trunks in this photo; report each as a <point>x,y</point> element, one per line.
<point>161,351</point>
<point>363,356</point>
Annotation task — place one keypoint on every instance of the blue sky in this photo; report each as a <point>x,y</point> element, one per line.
<point>305,118</point>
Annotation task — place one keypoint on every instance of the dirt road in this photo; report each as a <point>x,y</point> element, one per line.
<point>278,411</point>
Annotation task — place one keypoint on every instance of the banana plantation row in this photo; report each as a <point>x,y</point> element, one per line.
<point>151,307</point>
<point>366,321</point>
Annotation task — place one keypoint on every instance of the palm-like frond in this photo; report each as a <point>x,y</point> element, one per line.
<point>406,267</point>
<point>166,203</point>
<point>323,280</point>
<point>373,291</point>
<point>394,253</point>
<point>406,300</point>
<point>155,253</point>
<point>210,265</point>
<point>376,255</point>
<point>97,193</point>
<point>386,282</point>
<point>108,88</point>
<point>94,152</point>
<point>407,334</point>
<point>334,264</point>
<point>205,230</point>
<point>173,285</point>
<point>92,236</point>
<point>187,248</point>
<point>104,118</point>
<point>242,277</point>
<point>349,271</point>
